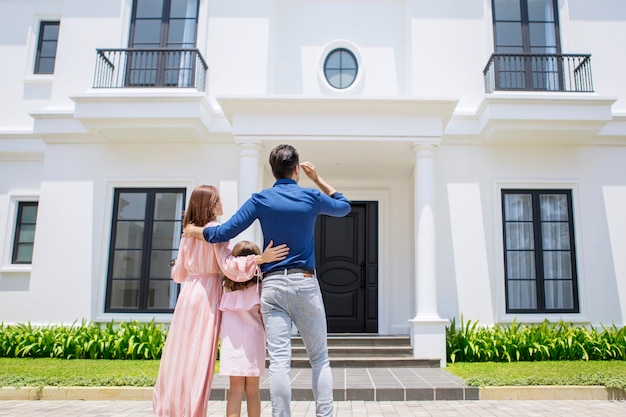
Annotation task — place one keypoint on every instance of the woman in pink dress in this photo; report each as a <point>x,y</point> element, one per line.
<point>185,375</point>
<point>242,349</point>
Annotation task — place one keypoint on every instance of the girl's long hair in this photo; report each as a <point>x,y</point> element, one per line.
<point>201,205</point>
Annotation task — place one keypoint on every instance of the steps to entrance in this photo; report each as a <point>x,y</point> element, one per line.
<point>370,384</point>
<point>363,351</point>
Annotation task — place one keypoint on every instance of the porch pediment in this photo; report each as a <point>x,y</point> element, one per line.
<point>337,118</point>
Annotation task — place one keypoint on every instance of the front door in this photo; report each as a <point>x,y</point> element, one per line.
<point>346,253</point>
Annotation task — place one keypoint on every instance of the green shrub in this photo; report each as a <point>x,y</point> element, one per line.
<point>546,341</point>
<point>131,340</point>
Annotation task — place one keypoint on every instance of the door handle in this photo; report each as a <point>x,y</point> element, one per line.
<point>362,274</point>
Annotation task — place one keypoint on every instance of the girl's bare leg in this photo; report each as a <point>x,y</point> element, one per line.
<point>253,396</point>
<point>235,396</point>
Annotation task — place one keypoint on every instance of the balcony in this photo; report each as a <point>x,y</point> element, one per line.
<point>150,68</point>
<point>538,72</point>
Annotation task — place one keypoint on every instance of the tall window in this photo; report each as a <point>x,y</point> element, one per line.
<point>145,235</point>
<point>539,253</point>
<point>160,30</point>
<point>24,233</point>
<point>527,31</point>
<point>47,47</point>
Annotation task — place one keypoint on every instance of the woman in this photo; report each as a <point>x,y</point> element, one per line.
<point>183,384</point>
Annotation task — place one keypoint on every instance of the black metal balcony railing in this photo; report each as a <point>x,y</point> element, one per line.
<point>536,72</point>
<point>123,68</point>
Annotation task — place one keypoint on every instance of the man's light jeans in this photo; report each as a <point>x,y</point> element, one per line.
<point>296,299</point>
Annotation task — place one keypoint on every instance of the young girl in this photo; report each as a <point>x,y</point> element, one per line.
<point>183,383</point>
<point>242,349</point>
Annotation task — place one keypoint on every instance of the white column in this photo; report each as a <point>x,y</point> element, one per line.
<point>428,336</point>
<point>425,239</point>
<point>249,183</point>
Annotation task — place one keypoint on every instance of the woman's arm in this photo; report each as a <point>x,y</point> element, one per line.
<point>244,268</point>
<point>179,272</point>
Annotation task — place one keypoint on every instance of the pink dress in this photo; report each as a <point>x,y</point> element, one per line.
<point>185,375</point>
<point>242,348</point>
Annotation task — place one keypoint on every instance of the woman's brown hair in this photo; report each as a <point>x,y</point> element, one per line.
<point>201,206</point>
<point>243,248</point>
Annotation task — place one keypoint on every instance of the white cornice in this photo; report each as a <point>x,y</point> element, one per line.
<point>337,118</point>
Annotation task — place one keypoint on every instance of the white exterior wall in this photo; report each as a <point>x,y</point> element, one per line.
<point>472,177</point>
<point>420,81</point>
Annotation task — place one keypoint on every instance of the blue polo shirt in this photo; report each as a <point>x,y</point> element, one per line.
<point>287,214</point>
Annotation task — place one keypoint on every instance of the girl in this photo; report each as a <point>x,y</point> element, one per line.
<point>242,351</point>
<point>183,383</point>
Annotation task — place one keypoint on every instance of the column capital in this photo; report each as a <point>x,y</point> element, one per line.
<point>249,147</point>
<point>424,149</point>
<point>248,143</point>
<point>430,144</point>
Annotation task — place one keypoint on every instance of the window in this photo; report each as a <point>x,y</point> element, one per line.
<point>340,68</point>
<point>539,252</point>
<point>526,34</point>
<point>24,233</point>
<point>47,47</point>
<point>168,25</point>
<point>145,235</point>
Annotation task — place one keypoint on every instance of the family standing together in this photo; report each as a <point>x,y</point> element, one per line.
<point>288,291</point>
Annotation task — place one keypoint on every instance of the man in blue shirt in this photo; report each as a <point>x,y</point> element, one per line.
<point>291,292</point>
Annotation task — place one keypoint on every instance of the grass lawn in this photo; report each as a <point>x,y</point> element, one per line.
<point>77,372</point>
<point>611,374</point>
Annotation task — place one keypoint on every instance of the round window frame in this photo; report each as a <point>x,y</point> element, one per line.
<point>325,55</point>
<point>342,71</point>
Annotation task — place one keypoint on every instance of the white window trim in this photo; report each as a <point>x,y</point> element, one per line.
<point>357,85</point>
<point>14,200</point>
<point>500,304</point>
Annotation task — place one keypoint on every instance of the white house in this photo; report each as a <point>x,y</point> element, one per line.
<point>482,142</point>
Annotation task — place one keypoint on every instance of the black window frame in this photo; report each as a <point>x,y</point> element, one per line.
<point>528,69</point>
<point>40,46</point>
<point>19,224</point>
<point>152,64</point>
<point>526,22</point>
<point>147,250</point>
<point>539,252</point>
<point>341,69</point>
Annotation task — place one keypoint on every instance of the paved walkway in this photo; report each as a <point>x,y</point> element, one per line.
<point>359,392</point>
<point>371,384</point>
<point>568,408</point>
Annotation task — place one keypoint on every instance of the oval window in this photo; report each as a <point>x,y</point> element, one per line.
<point>340,68</point>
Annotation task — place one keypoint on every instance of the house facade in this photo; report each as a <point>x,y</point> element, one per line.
<point>482,143</point>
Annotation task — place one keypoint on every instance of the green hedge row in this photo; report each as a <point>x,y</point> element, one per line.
<point>131,340</point>
<point>539,342</point>
<point>465,343</point>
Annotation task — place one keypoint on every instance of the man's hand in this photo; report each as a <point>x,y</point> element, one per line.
<point>311,172</point>
<point>272,253</point>
<point>192,230</point>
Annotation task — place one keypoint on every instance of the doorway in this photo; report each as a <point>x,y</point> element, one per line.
<point>346,255</point>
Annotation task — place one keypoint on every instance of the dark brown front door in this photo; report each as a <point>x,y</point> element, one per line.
<point>346,252</point>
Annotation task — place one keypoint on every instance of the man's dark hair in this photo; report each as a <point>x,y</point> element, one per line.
<point>283,160</point>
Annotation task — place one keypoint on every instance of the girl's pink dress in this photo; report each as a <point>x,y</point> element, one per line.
<point>183,383</point>
<point>242,348</point>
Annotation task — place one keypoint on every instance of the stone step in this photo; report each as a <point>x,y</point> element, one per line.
<point>365,362</point>
<point>360,339</point>
<point>360,351</point>
<point>363,351</point>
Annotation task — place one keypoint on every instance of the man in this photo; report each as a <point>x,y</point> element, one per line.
<point>291,292</point>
